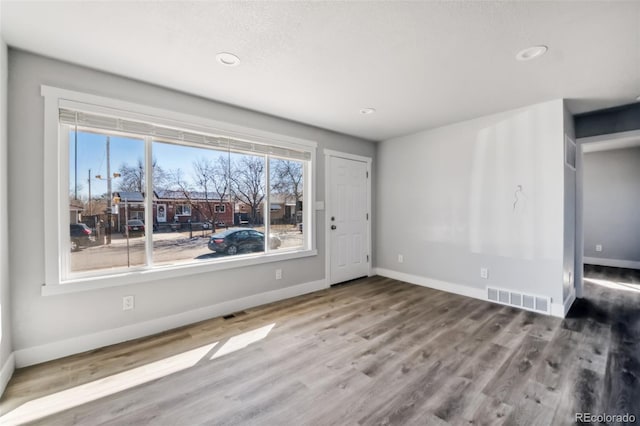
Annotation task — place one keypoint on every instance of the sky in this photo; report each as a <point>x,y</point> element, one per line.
<point>91,149</point>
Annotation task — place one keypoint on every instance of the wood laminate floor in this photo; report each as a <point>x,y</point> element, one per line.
<point>375,351</point>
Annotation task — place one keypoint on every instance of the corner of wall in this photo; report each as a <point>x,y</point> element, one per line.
<point>6,372</point>
<point>7,360</point>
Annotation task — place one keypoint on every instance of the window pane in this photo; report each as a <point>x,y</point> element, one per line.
<point>191,202</point>
<point>106,199</point>
<point>286,202</point>
<point>247,188</point>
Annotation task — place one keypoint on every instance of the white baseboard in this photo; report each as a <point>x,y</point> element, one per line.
<point>462,290</point>
<point>62,348</point>
<point>569,301</point>
<point>7,371</point>
<point>557,309</point>
<point>631,264</point>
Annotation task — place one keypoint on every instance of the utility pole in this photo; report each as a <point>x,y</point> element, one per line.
<point>126,229</point>
<point>109,190</point>
<point>89,181</point>
<point>75,160</point>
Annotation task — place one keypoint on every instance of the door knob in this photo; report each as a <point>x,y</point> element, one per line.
<point>333,227</point>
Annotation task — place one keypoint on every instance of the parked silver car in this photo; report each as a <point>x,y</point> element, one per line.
<point>240,240</point>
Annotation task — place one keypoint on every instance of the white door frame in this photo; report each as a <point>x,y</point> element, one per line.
<point>619,139</point>
<point>327,190</point>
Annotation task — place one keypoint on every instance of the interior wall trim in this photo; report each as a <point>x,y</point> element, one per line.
<point>569,301</point>
<point>617,263</point>
<point>61,348</point>
<point>7,371</point>
<point>557,309</point>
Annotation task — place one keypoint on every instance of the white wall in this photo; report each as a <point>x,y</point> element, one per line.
<point>569,259</point>
<point>446,202</point>
<point>6,367</point>
<point>611,185</point>
<point>64,319</point>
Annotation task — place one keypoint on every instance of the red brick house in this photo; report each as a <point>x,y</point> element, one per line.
<point>170,207</point>
<point>178,206</point>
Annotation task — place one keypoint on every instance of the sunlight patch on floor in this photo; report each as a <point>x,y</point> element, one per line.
<point>85,393</point>
<point>243,340</point>
<point>615,285</point>
<point>82,394</point>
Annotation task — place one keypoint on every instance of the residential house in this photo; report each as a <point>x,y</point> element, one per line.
<point>192,206</point>
<point>128,205</point>
<point>76,207</point>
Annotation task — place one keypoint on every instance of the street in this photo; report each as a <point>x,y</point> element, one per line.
<point>169,248</point>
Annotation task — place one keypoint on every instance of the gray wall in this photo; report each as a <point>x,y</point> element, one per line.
<point>607,121</point>
<point>39,320</point>
<point>446,202</point>
<point>5,341</point>
<point>569,262</point>
<point>611,183</point>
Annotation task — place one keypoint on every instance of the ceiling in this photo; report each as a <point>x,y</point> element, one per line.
<point>419,64</point>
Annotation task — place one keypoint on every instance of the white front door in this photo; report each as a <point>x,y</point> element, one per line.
<point>348,219</point>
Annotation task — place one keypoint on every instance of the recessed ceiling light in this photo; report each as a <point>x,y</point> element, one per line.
<point>227,59</point>
<point>531,53</point>
<point>367,111</point>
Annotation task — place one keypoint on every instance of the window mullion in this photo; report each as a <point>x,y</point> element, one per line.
<point>148,200</point>
<point>267,205</point>
<point>307,209</point>
<point>63,211</point>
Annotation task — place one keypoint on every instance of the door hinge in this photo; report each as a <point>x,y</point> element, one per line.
<point>367,175</point>
<point>367,216</point>
<point>367,258</point>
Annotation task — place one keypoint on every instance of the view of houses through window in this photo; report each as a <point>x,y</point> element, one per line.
<point>207,202</point>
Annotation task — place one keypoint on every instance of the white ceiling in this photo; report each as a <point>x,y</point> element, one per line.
<point>419,64</point>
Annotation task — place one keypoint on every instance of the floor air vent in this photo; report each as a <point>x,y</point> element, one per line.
<point>233,315</point>
<point>520,300</point>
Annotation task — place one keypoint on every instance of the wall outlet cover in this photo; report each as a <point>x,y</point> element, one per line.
<point>484,273</point>
<point>128,303</point>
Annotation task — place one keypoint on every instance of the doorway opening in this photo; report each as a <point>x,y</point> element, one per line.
<point>608,212</point>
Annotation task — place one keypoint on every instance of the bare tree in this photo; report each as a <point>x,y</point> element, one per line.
<point>212,180</point>
<point>179,185</point>
<point>132,177</point>
<point>248,186</point>
<point>287,180</point>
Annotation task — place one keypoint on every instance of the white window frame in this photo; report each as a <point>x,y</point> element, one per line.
<point>56,176</point>
<point>136,213</point>
<point>182,207</point>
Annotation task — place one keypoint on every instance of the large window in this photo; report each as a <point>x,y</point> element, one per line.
<point>144,194</point>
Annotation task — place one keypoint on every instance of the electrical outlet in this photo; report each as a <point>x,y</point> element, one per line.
<point>278,274</point>
<point>400,258</point>
<point>128,303</point>
<point>484,273</point>
<point>598,247</point>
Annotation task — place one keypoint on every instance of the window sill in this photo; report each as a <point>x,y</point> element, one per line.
<point>161,272</point>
